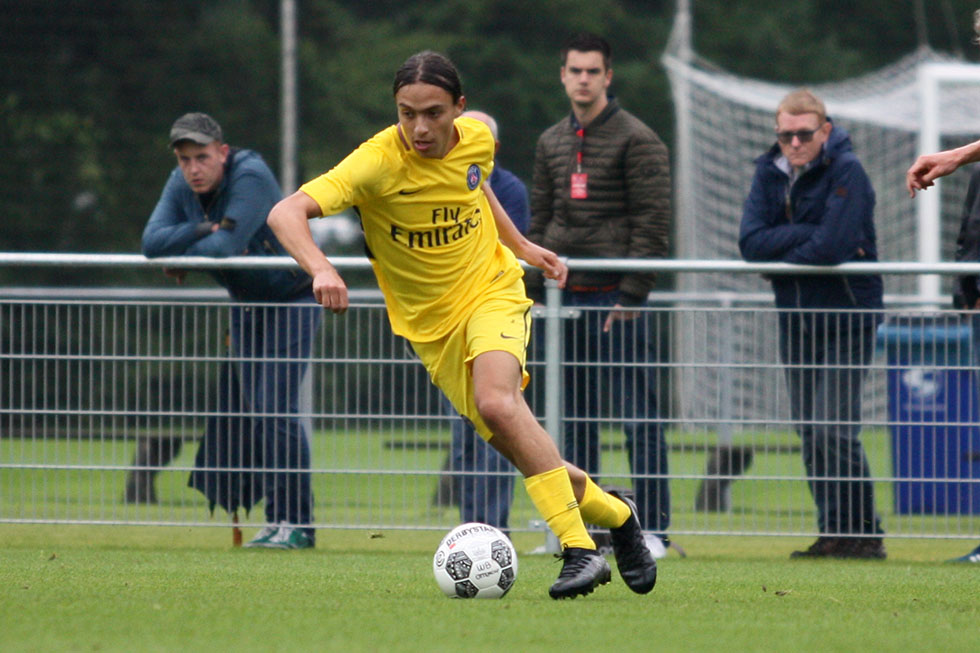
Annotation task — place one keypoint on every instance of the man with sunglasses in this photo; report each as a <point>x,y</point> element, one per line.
<point>812,203</point>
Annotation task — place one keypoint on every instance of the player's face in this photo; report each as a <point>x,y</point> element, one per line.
<point>585,77</point>
<point>802,148</point>
<point>203,166</point>
<point>426,113</point>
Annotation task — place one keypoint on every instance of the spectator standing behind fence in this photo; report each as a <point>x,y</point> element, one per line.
<point>601,189</point>
<point>215,204</point>
<point>812,203</point>
<point>486,487</point>
<point>440,245</point>
<point>922,175</point>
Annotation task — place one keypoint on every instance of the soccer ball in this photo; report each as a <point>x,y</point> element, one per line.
<point>475,561</point>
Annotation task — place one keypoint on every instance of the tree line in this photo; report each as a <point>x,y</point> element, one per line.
<point>90,87</point>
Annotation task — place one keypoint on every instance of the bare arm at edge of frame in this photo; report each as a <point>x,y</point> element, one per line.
<point>929,167</point>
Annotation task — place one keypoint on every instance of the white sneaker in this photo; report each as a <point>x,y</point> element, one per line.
<point>264,537</point>
<point>283,537</point>
<point>656,546</point>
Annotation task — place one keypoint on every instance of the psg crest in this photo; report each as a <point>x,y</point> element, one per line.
<point>473,176</point>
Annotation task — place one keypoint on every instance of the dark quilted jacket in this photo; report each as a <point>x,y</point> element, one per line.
<point>627,211</point>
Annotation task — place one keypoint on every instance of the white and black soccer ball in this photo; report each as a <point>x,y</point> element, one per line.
<point>475,561</point>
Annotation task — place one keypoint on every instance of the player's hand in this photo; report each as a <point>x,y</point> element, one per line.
<point>927,168</point>
<point>618,313</point>
<point>176,274</point>
<point>548,261</point>
<point>330,290</point>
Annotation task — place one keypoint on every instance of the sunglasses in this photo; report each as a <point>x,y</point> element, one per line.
<point>805,136</point>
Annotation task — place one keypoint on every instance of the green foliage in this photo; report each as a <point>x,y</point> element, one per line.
<point>89,91</point>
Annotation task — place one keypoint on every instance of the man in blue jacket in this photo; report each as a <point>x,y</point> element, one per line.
<point>812,203</point>
<point>215,203</point>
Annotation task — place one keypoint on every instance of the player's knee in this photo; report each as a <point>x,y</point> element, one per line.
<point>496,408</point>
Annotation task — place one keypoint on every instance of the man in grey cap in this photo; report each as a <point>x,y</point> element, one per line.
<point>215,204</point>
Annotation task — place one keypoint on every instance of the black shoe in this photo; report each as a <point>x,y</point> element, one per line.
<point>824,547</point>
<point>635,562</point>
<point>861,548</point>
<point>865,548</point>
<point>583,571</point>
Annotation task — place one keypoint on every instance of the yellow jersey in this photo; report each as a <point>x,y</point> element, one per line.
<point>430,233</point>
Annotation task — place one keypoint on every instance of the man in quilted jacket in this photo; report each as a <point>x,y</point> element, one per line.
<point>601,189</point>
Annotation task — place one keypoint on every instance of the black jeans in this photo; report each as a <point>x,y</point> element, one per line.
<point>827,357</point>
<point>611,377</point>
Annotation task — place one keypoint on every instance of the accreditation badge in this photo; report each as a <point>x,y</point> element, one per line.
<point>580,185</point>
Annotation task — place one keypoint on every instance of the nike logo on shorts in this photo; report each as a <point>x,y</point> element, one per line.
<point>507,337</point>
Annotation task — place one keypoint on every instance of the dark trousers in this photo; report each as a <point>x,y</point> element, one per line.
<point>611,377</point>
<point>273,346</point>
<point>827,357</point>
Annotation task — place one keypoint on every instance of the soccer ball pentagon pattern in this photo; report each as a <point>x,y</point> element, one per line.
<point>475,561</point>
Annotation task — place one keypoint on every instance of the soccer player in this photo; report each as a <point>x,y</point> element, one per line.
<point>433,229</point>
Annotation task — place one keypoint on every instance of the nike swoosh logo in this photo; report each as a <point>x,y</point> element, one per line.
<point>409,192</point>
<point>507,337</point>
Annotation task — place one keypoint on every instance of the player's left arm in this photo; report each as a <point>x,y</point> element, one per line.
<point>548,261</point>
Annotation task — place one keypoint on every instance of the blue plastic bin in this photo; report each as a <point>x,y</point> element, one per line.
<point>933,414</point>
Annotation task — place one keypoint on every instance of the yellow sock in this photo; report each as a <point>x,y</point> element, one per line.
<point>551,493</point>
<point>601,508</point>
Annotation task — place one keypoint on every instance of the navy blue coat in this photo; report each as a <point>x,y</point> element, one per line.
<point>827,220</point>
<point>180,226</point>
<point>512,194</point>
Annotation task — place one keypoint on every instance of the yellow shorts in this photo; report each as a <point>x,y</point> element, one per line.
<point>500,322</point>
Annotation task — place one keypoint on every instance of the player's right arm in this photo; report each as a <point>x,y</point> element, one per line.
<point>289,220</point>
<point>929,167</point>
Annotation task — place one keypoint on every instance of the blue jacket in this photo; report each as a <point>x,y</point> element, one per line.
<point>827,219</point>
<point>180,226</point>
<point>512,193</point>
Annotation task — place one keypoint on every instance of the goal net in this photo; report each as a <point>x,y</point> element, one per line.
<point>724,122</point>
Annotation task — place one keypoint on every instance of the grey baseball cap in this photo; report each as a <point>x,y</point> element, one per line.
<point>197,127</point>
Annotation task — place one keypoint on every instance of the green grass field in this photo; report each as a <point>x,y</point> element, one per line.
<point>137,588</point>
<point>87,588</point>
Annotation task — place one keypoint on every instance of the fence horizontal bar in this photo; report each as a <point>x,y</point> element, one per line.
<point>38,259</point>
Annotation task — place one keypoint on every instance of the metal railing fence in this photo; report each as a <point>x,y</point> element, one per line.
<point>105,395</point>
